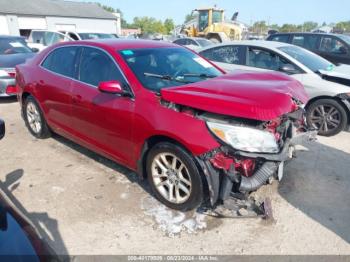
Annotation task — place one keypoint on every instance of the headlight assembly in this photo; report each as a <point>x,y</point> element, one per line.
<point>245,138</point>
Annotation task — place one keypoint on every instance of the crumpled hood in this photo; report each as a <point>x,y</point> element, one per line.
<point>245,94</point>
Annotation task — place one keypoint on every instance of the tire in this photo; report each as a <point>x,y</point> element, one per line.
<point>328,116</point>
<point>34,119</point>
<point>183,177</point>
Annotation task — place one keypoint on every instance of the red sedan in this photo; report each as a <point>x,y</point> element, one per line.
<point>167,113</point>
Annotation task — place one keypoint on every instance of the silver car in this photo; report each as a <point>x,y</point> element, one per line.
<point>328,109</point>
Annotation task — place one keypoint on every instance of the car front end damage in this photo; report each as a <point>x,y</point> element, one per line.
<point>246,162</point>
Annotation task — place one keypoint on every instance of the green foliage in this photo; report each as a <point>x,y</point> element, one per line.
<point>259,27</point>
<point>343,26</point>
<point>189,17</point>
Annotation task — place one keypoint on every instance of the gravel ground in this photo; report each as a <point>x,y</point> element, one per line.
<point>85,204</point>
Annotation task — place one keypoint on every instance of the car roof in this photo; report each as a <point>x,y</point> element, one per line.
<point>306,33</point>
<point>11,36</point>
<point>193,38</point>
<point>121,44</point>
<point>257,43</point>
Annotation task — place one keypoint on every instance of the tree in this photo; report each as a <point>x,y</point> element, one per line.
<point>287,28</point>
<point>149,25</point>
<point>110,9</point>
<point>169,25</point>
<point>309,26</point>
<point>190,17</point>
<point>260,27</point>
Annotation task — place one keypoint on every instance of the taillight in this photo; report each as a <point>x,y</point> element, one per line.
<point>11,90</point>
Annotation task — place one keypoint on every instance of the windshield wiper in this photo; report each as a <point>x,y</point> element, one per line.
<point>199,75</point>
<point>167,78</point>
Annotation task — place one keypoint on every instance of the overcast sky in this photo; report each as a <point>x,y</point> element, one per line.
<point>275,11</point>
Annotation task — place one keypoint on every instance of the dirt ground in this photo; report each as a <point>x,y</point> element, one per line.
<point>84,204</point>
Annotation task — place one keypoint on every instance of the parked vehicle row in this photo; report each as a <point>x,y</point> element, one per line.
<point>328,109</point>
<point>333,47</point>
<point>41,39</point>
<point>195,132</point>
<point>13,51</point>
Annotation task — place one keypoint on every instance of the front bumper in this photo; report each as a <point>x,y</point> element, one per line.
<point>225,180</point>
<point>4,83</point>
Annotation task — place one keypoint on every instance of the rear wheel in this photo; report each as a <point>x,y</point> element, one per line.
<point>174,177</point>
<point>328,116</point>
<point>34,119</point>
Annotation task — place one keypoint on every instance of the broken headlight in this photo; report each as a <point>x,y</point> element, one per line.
<point>245,138</point>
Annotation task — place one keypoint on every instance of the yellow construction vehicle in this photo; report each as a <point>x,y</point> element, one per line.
<point>210,23</point>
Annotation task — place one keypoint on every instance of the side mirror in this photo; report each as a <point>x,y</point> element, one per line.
<point>35,50</point>
<point>289,69</point>
<point>111,87</point>
<point>2,129</point>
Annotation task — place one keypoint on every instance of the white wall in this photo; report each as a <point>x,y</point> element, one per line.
<point>4,28</point>
<point>83,24</point>
<point>13,25</point>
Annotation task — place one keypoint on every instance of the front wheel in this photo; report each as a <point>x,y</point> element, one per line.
<point>328,116</point>
<point>174,177</point>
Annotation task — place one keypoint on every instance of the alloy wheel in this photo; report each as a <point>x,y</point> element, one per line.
<point>171,178</point>
<point>34,118</point>
<point>326,118</point>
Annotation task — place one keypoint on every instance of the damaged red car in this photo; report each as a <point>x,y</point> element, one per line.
<point>194,132</point>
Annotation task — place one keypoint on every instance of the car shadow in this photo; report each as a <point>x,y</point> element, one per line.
<point>8,100</point>
<point>318,183</point>
<point>129,174</point>
<point>46,226</point>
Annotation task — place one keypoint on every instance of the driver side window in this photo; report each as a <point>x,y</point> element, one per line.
<point>265,59</point>
<point>96,67</point>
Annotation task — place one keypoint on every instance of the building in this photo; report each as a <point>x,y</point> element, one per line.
<point>19,17</point>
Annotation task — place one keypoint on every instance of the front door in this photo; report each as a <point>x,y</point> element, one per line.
<point>102,120</point>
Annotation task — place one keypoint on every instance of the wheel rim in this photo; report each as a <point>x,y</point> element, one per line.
<point>325,118</point>
<point>33,117</point>
<point>171,178</point>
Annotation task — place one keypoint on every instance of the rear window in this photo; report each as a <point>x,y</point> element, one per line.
<point>62,61</point>
<point>279,38</point>
<point>9,46</point>
<point>226,54</point>
<point>306,41</point>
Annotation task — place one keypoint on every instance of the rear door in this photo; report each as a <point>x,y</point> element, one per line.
<point>307,41</point>
<point>55,78</point>
<point>228,57</point>
<point>102,120</point>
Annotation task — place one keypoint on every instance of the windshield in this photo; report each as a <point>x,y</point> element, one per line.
<point>13,46</point>
<point>345,38</point>
<point>158,68</point>
<point>86,36</point>
<point>204,42</point>
<point>307,58</point>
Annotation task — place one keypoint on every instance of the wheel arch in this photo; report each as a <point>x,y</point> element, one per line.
<point>148,145</point>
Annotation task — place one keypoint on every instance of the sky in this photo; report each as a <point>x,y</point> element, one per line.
<point>273,11</point>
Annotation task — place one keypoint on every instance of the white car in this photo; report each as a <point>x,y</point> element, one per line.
<point>40,39</point>
<point>88,35</point>
<point>194,43</point>
<point>328,109</point>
